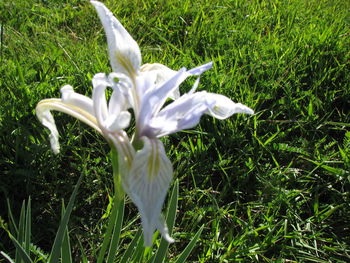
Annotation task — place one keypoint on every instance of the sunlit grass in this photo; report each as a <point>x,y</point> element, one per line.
<point>273,187</point>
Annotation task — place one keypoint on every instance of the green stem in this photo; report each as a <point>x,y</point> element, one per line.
<point>118,188</point>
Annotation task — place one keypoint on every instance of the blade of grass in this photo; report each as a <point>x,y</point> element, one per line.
<point>189,247</point>
<point>170,220</point>
<point>55,252</point>
<point>22,254</point>
<point>129,250</point>
<point>12,221</point>
<point>7,257</point>
<point>20,236</point>
<point>138,253</point>
<point>66,254</point>
<point>116,231</point>
<point>110,227</point>
<point>28,225</point>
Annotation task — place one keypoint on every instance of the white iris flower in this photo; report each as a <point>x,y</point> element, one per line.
<point>146,171</point>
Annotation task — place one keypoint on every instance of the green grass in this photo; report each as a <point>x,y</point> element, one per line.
<point>273,187</point>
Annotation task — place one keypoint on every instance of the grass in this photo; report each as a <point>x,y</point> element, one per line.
<point>273,187</point>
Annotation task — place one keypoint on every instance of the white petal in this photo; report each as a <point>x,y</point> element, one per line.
<point>163,73</point>
<point>125,150</point>
<point>100,83</point>
<point>199,70</point>
<point>154,99</point>
<point>121,86</point>
<point>43,113</point>
<point>124,52</point>
<point>222,107</point>
<point>119,121</point>
<point>147,185</point>
<point>183,113</point>
<point>45,117</point>
<point>114,117</point>
<point>70,97</point>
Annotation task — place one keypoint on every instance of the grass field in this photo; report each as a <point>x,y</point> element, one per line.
<point>272,187</point>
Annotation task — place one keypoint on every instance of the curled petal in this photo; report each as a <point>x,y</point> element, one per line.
<point>100,83</point>
<point>124,52</point>
<point>80,101</point>
<point>43,113</point>
<point>147,185</point>
<point>111,118</point>
<point>46,118</point>
<point>126,151</point>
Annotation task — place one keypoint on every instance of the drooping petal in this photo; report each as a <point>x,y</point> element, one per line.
<point>222,107</point>
<point>43,113</point>
<point>46,118</point>
<point>68,96</point>
<point>147,185</point>
<point>124,52</point>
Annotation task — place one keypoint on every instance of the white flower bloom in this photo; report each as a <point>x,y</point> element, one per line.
<point>147,88</point>
<point>146,171</point>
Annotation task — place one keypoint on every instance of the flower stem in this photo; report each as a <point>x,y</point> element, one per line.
<point>118,188</point>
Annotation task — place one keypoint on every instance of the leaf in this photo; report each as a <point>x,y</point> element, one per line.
<point>12,221</point>
<point>56,248</point>
<point>7,257</point>
<point>189,247</point>
<point>110,228</point>
<point>129,250</point>
<point>22,254</point>
<point>28,225</point>
<point>21,229</point>
<point>83,255</point>
<point>66,254</point>
<point>116,231</point>
<point>170,219</point>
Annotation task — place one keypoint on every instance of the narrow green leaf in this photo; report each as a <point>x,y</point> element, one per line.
<point>189,247</point>
<point>170,220</point>
<point>152,259</point>
<point>28,225</point>
<point>130,249</point>
<point>22,254</point>
<point>7,257</point>
<point>108,234</point>
<point>56,248</point>
<point>12,221</point>
<point>21,229</point>
<point>138,253</point>
<point>116,232</point>
<point>66,254</point>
